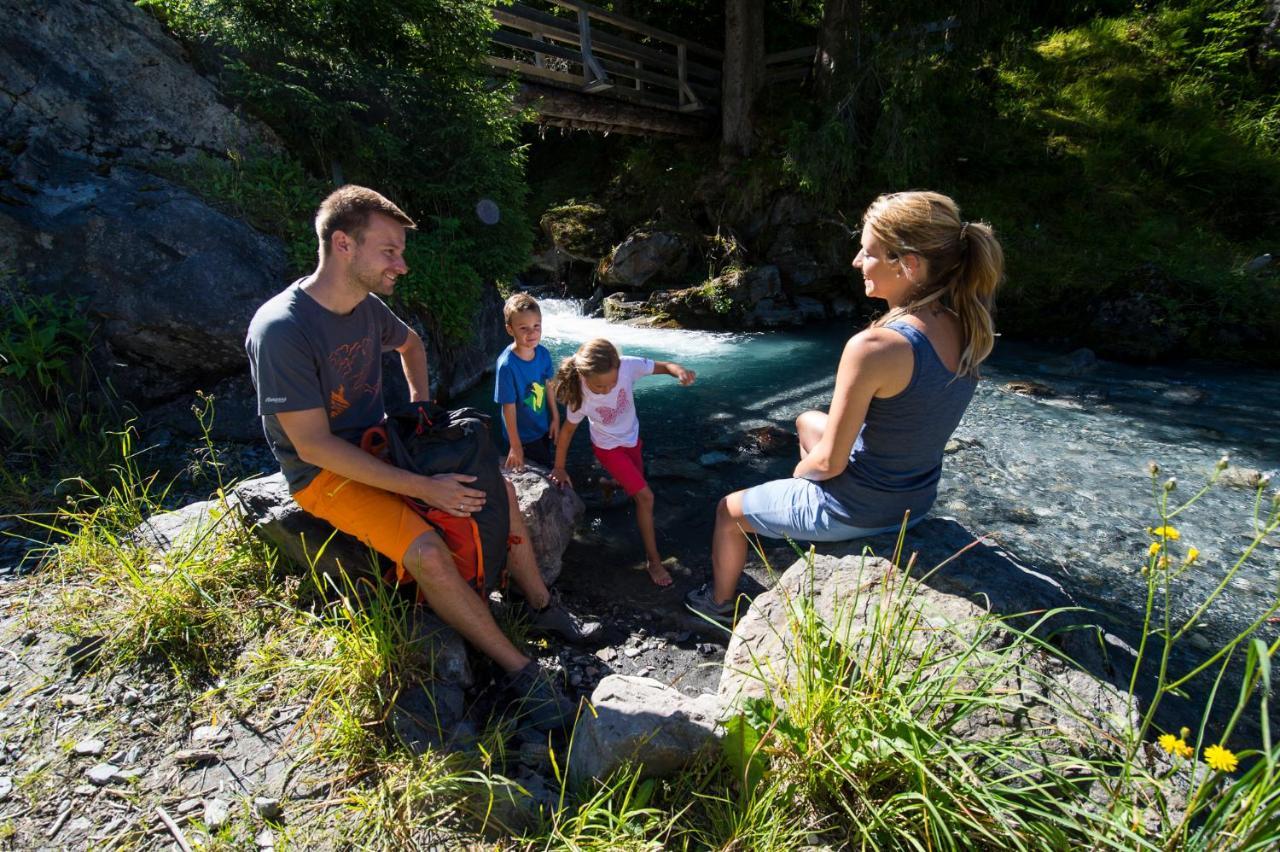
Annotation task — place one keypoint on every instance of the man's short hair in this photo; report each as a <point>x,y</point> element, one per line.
<point>518,303</point>
<point>348,209</point>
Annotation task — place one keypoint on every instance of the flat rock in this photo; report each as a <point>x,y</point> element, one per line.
<point>267,808</point>
<point>91,747</point>
<point>216,813</point>
<point>104,773</point>
<point>210,734</point>
<point>6,787</point>
<point>639,720</point>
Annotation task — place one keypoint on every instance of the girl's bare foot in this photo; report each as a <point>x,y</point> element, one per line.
<point>658,573</point>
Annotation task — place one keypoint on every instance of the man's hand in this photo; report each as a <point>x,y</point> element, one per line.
<point>560,477</point>
<point>515,458</point>
<point>446,491</point>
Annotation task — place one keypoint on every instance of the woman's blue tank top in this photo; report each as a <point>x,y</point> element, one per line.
<point>896,461</point>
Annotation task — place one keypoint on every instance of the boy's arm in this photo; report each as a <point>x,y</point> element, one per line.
<point>559,475</point>
<point>671,368</point>
<point>413,360</point>
<point>515,456</point>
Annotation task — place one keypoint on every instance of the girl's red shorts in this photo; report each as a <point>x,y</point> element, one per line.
<point>625,465</point>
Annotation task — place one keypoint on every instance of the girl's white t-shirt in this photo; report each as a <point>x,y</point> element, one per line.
<point>612,415</point>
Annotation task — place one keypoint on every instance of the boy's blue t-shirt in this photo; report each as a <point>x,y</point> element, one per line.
<point>525,383</point>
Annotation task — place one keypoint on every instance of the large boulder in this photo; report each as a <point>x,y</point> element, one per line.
<point>724,301</point>
<point>265,505</point>
<point>1038,688</point>
<point>646,260</point>
<point>551,514</point>
<point>100,81</point>
<point>639,721</point>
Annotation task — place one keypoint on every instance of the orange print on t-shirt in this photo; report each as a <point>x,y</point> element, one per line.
<point>338,402</point>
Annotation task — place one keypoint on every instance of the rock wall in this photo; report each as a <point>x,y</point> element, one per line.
<point>98,105</point>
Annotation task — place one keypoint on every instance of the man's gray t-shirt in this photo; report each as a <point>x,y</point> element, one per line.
<point>302,355</point>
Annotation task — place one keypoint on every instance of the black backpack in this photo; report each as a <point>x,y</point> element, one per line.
<point>427,439</point>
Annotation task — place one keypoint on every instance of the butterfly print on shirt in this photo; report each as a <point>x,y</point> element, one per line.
<point>608,415</point>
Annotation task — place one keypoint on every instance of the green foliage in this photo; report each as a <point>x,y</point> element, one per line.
<point>55,414</point>
<point>40,338</point>
<point>272,192</point>
<point>391,94</point>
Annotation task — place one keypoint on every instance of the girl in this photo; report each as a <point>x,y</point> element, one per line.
<point>596,383</point>
<point>901,387</point>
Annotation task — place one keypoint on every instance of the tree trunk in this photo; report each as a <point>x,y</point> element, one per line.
<point>836,63</point>
<point>742,74</point>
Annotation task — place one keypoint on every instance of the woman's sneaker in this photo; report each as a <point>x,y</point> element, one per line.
<point>537,702</point>
<point>701,601</point>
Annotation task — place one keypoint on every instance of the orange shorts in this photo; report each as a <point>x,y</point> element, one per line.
<point>378,518</point>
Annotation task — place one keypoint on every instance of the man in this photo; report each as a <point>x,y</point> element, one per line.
<point>315,353</point>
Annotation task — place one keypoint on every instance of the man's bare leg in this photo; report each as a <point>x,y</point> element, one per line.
<point>430,564</point>
<point>522,564</point>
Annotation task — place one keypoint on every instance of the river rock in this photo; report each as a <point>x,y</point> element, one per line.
<point>216,814</point>
<point>1073,364</point>
<point>580,231</point>
<point>1141,316</point>
<point>1031,389</point>
<point>645,260</point>
<point>1240,477</point>
<point>640,721</point>
<point>620,307</point>
<point>845,592</point>
<point>551,514</point>
<point>767,441</point>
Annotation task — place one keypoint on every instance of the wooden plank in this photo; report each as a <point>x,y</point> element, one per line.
<point>573,82</point>
<point>523,17</point>
<point>608,113</point>
<point>623,22</point>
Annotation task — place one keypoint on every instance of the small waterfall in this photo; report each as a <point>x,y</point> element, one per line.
<point>563,323</point>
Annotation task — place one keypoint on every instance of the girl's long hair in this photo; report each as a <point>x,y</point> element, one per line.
<point>594,356</point>
<point>963,260</point>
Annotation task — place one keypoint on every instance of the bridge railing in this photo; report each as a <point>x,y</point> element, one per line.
<point>595,50</point>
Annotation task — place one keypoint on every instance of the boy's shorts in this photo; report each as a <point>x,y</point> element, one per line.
<point>624,464</point>
<point>378,518</point>
<point>540,451</point>
<point>794,508</point>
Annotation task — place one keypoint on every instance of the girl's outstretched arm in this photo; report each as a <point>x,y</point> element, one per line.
<point>671,368</point>
<point>558,474</point>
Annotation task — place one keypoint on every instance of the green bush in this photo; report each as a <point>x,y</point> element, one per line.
<point>391,94</point>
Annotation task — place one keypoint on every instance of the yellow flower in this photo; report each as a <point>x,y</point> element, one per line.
<point>1193,553</point>
<point>1162,563</point>
<point>1170,533</point>
<point>1220,759</point>
<point>1153,549</point>
<point>1176,745</point>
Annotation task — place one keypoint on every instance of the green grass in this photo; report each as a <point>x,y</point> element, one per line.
<point>858,738</point>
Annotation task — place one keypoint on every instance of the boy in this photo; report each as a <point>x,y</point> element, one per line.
<point>530,418</point>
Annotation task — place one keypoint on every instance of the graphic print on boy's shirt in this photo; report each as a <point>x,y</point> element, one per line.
<point>535,396</point>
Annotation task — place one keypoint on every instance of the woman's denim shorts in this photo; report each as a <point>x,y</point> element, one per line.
<point>795,508</point>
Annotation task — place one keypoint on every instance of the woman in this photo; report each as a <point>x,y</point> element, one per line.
<point>901,387</point>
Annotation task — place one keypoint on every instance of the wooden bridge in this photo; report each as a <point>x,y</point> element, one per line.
<point>588,68</point>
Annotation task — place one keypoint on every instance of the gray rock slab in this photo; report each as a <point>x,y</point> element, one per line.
<point>846,591</point>
<point>641,721</point>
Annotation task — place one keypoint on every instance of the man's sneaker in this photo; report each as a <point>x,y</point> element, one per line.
<point>556,620</point>
<point>701,601</point>
<point>537,702</point>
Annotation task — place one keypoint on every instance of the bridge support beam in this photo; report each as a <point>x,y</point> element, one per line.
<point>566,108</point>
